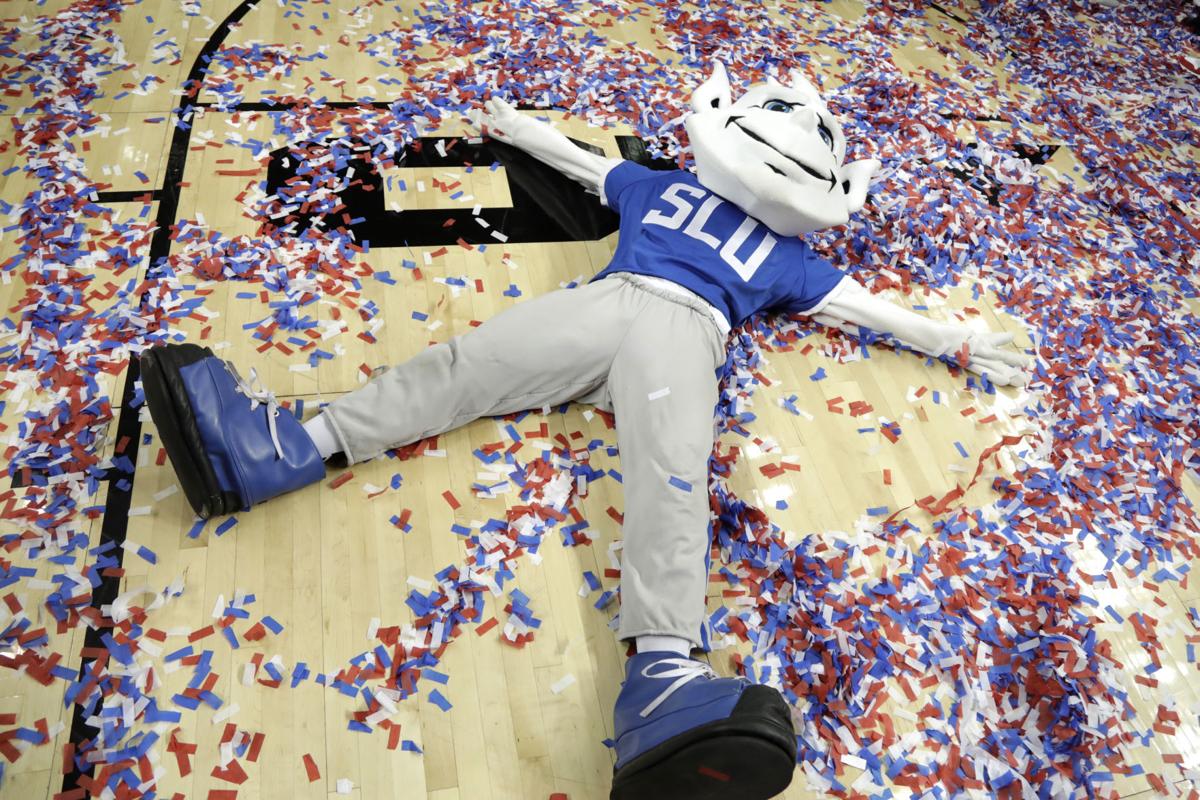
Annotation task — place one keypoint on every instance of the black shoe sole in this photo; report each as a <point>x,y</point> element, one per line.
<point>751,755</point>
<point>171,410</point>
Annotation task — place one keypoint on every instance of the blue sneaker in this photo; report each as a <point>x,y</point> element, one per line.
<point>682,732</point>
<point>228,443</point>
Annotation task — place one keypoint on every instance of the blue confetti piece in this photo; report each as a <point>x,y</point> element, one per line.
<point>592,581</point>
<point>680,483</point>
<point>436,698</point>
<point>434,675</point>
<point>182,652</point>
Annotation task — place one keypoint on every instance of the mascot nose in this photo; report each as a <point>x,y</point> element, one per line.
<point>806,118</point>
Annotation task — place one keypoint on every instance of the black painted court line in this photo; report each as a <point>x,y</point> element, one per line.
<point>132,196</point>
<point>288,106</point>
<point>954,17</point>
<point>116,508</point>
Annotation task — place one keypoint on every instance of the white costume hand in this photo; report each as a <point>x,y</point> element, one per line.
<point>987,355</point>
<point>498,120</point>
<point>504,123</point>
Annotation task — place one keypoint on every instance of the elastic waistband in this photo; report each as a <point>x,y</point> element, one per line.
<point>677,294</point>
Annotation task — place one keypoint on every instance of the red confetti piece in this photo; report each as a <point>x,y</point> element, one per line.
<point>232,773</point>
<point>340,480</point>
<point>207,630</point>
<point>310,767</point>
<point>255,745</point>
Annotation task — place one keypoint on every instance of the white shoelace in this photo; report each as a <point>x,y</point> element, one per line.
<point>258,394</point>
<point>685,669</point>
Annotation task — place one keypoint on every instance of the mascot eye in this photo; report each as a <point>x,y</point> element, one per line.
<point>826,136</point>
<point>777,105</point>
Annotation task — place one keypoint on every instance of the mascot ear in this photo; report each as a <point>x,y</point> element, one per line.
<point>714,92</point>
<point>801,83</point>
<point>855,179</point>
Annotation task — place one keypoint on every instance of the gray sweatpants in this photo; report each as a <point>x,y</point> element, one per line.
<point>615,343</point>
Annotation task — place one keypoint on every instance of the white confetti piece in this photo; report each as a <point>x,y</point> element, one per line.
<point>562,683</point>
<point>344,786</point>
<point>139,511</point>
<point>373,628</point>
<point>659,393</point>
<point>854,761</point>
<point>165,493</point>
<point>225,713</point>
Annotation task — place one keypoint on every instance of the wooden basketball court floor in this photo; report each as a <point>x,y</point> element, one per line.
<point>331,567</point>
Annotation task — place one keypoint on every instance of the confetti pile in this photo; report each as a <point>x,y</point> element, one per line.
<point>985,619</point>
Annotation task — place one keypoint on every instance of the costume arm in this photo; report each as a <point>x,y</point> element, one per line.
<point>850,306</point>
<point>501,121</point>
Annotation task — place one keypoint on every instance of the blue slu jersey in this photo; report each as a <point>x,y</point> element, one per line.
<point>675,229</point>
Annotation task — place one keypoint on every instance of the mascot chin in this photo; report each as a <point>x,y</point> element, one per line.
<point>645,338</point>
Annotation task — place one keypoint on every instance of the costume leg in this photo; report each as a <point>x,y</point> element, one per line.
<point>231,448</point>
<point>681,731</point>
<point>547,350</point>
<point>665,440</point>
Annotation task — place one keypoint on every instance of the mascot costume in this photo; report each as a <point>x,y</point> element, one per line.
<point>697,254</point>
